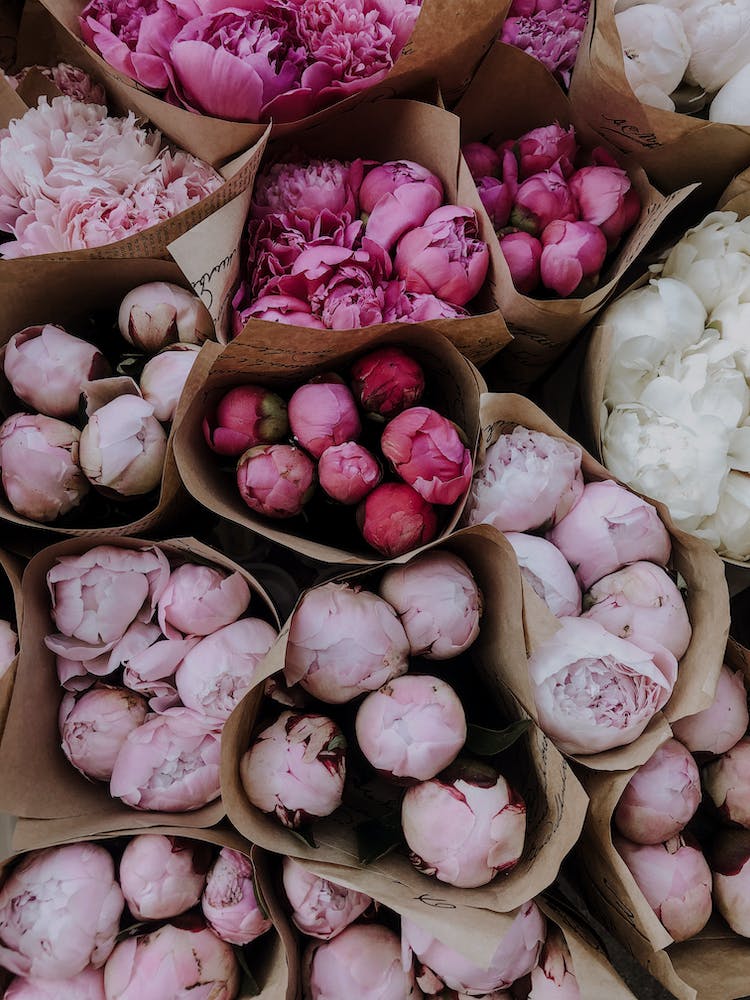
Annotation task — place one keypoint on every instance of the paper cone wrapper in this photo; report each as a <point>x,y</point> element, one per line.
<point>707,599</point>
<point>40,782</point>
<point>452,382</point>
<point>11,569</point>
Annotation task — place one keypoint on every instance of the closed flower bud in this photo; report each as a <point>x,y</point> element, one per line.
<point>728,857</point>
<point>276,480</point>
<point>162,876</point>
<point>96,727</point>
<point>571,252</point>
<point>387,381</point>
<point>364,961</point>
<point>348,472</point>
<point>229,901</point>
<point>199,600</point>
<point>522,253</point>
<point>159,313</point>
<point>727,782</point>
<point>394,518</point>
<point>122,447</point>
<point>320,909</point>
<point>661,797</point>
<point>554,978</point>
<point>541,200</point>
<point>322,414</point>
<point>719,727</point>
<point>546,570</point>
<point>163,378</point>
<point>244,417</point>
<point>543,148</point>
<point>481,159</point>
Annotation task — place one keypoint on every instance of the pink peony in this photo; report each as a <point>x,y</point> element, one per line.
<point>164,376</point>
<point>396,197</point>
<point>320,909</point>
<point>276,480</point>
<point>394,518</point>
<point>548,573</point>
<point>402,306</point>
<point>546,147</point>
<point>199,600</point>
<point>154,315</point>
<point>309,188</point>
<point>162,876</point>
<point>348,472</point>
<point>571,252</point>
<point>522,253</point>
<point>94,727</point>
<point>554,978</point>
<point>551,36</point>
<point>386,381</point>
<point>364,961</point>
<point>229,901</point>
<point>717,728</point>
<point>541,200</point>
<point>727,780</point>
<point>606,198</point>
<point>87,985</point>
<point>244,417</point>
<point>729,855</point>
<point>428,452</point>
<point>481,159</point>
<point>323,413</point>
<point>71,81</point>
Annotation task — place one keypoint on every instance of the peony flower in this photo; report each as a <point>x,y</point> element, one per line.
<point>47,368</point>
<point>169,764</point>
<point>70,888</point>
<point>655,47</point>
<point>87,985</point>
<point>95,727</point>
<point>244,417</point>
<point>552,37</point>
<point>481,159</point>
<point>713,258</point>
<point>276,480</point>
<point>229,901</point>
<point>41,476</point>
<point>606,198</point>
<point>728,528</point>
<point>348,472</point>
<point>675,880</point>
<point>595,691</point>
<point>554,978</point>
<point>150,670</point>
<point>163,378</point>
<point>320,909</point>
<point>438,601</point>
<point>386,381</point>
<point>522,254</point>
<point>322,414</point>
<point>718,36</point>
<point>731,103</point>
<point>609,528</point>
<point>726,781</point>
<point>162,877</point>
<point>661,797</point>
<point>71,81</point>
<point>394,518</point>
<point>546,147</point>
<point>122,447</point>
<point>541,200</point>
<point>498,194</point>
<point>295,768</point>
<point>465,826</point>
<point>396,197</point>
<point>527,480</point>
<point>717,728</point>
<point>571,253</point>
<point>199,600</point>
<point>402,306</point>
<point>427,451</point>
<point>309,188</point>
<point>547,572</point>
<point>363,961</point>
<point>728,857</point>
<point>344,641</point>
<point>157,314</point>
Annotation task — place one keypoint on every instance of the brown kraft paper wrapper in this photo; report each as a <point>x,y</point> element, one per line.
<point>386,130</point>
<point>554,801</point>
<point>712,965</point>
<point>40,782</point>
<point>707,600</point>
<point>11,570</point>
<point>273,957</point>
<point>674,149</point>
<point>450,378</point>
<point>449,39</point>
<point>66,293</point>
<point>543,327</point>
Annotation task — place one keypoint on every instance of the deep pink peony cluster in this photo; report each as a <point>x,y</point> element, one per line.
<point>152,658</point>
<point>251,61</point>
<point>73,178</point>
<point>559,211</point>
<point>341,246</point>
<point>549,30</point>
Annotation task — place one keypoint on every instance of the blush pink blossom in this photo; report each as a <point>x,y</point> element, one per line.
<point>386,381</point>
<point>394,518</point>
<point>363,961</point>
<point>546,147</point>
<point>95,727</point>
<point>164,376</point>
<point>348,472</point>
<point>161,876</point>
<point>548,573</point>
<point>320,908</point>
<point>661,797</point>
<point>541,200</point>
<point>428,452</point>
<point>717,728</point>
<point>571,252</point>
<point>276,480</point>
<point>87,985</point>
<point>309,188</point>
<point>416,307</point>
<point>244,417</point>
<point>199,600</point>
<point>322,414</point>
<point>150,670</point>
<point>398,196</point>
<point>554,978</point>
<point>159,313</point>
<point>229,901</point>
<point>606,198</point>
<point>522,253</point>
<point>727,781</point>
<point>481,159</point>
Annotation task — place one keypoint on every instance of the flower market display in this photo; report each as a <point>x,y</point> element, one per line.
<point>374,500</point>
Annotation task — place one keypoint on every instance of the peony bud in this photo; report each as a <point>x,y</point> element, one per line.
<point>675,879</point>
<point>276,480</point>
<point>295,768</point>
<point>571,251</point>
<point>87,985</point>
<point>729,856</point>
<point>661,797</point>
<point>639,601</point>
<point>465,826</point>
<point>40,471</point>
<point>322,414</point>
<point>70,888</point>
<point>609,528</point>
<point>244,417</point>
<point>47,367</point>
<point>386,178</point>
<point>554,978</point>
<point>548,573</point>
<point>344,641</point>
<point>163,378</point>
<point>394,518</point>
<point>437,599</point>
<point>541,200</point>
<point>427,451</point>
<point>97,725</point>
<point>162,876</point>
<point>199,600</point>
<point>122,447</point>
<point>481,159</point>
<point>159,313</point>
<point>522,253</point>
<point>411,728</point>
<point>364,961</point>
<point>348,472</point>
<point>397,197</point>
<point>387,381</point>
<point>607,199</point>
<point>719,727</point>
<point>229,902</point>
<point>546,147</point>
<point>727,782</point>
<point>320,909</point>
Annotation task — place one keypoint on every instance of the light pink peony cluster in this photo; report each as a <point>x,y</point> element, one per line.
<point>145,700</point>
<point>549,30</point>
<point>251,62</point>
<point>63,909</point>
<point>341,246</point>
<point>600,679</point>
<point>558,210</point>
<point>72,178</point>
<point>327,420</point>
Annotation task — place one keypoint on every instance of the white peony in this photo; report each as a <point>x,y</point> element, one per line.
<point>718,33</point>
<point>728,529</point>
<point>714,259</point>
<point>654,46</point>
<point>732,103</point>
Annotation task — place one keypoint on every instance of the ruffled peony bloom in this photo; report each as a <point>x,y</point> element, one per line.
<point>71,81</point>
<point>363,961</point>
<point>550,35</point>
<point>717,728</point>
<point>661,797</point>
<point>229,901</point>
<point>548,573</point>
<point>396,197</point>
<point>309,188</point>
<point>162,877</point>
<point>428,452</point>
<point>320,909</point>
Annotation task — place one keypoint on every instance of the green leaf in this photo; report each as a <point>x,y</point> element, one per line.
<point>249,985</point>
<point>376,838</point>
<point>488,742</point>
<point>132,365</point>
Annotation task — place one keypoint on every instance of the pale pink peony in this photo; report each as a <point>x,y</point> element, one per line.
<point>244,417</point>
<point>320,909</point>
<point>481,159</point>
<point>606,198</point>
<point>169,764</point>
<point>276,480</point>
<point>364,961</point>
<point>199,600</point>
<point>727,780</point>
<point>122,447</point>
<point>397,197</point>
<point>322,414</point>
<point>41,476</point>
<point>522,253</point>
<point>717,728</point>
<point>548,573</point>
<point>675,879</point>
<point>542,200</point>
<point>309,188</point>
<point>164,376</point>
<point>159,313</point>
<point>348,472</point>
<point>609,528</point>
<point>638,601</point>
<point>173,961</point>
<point>386,381</point>
<point>95,727</point>
<point>394,518</point>
<point>59,912</point>
<point>595,691</point>
<point>428,452</point>
<point>295,768</point>
<point>572,252</point>
<point>87,985</point>
<point>554,978</point>
<point>661,797</point>
<point>149,670</point>
<point>411,728</point>
<point>81,658</point>
<point>344,641</point>
<point>546,147</point>
<point>47,368</point>
<point>465,826</point>
<point>162,876</point>
<point>526,480</point>
<point>729,856</point>
<point>71,81</point>
<point>229,901</point>
<point>438,601</point>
